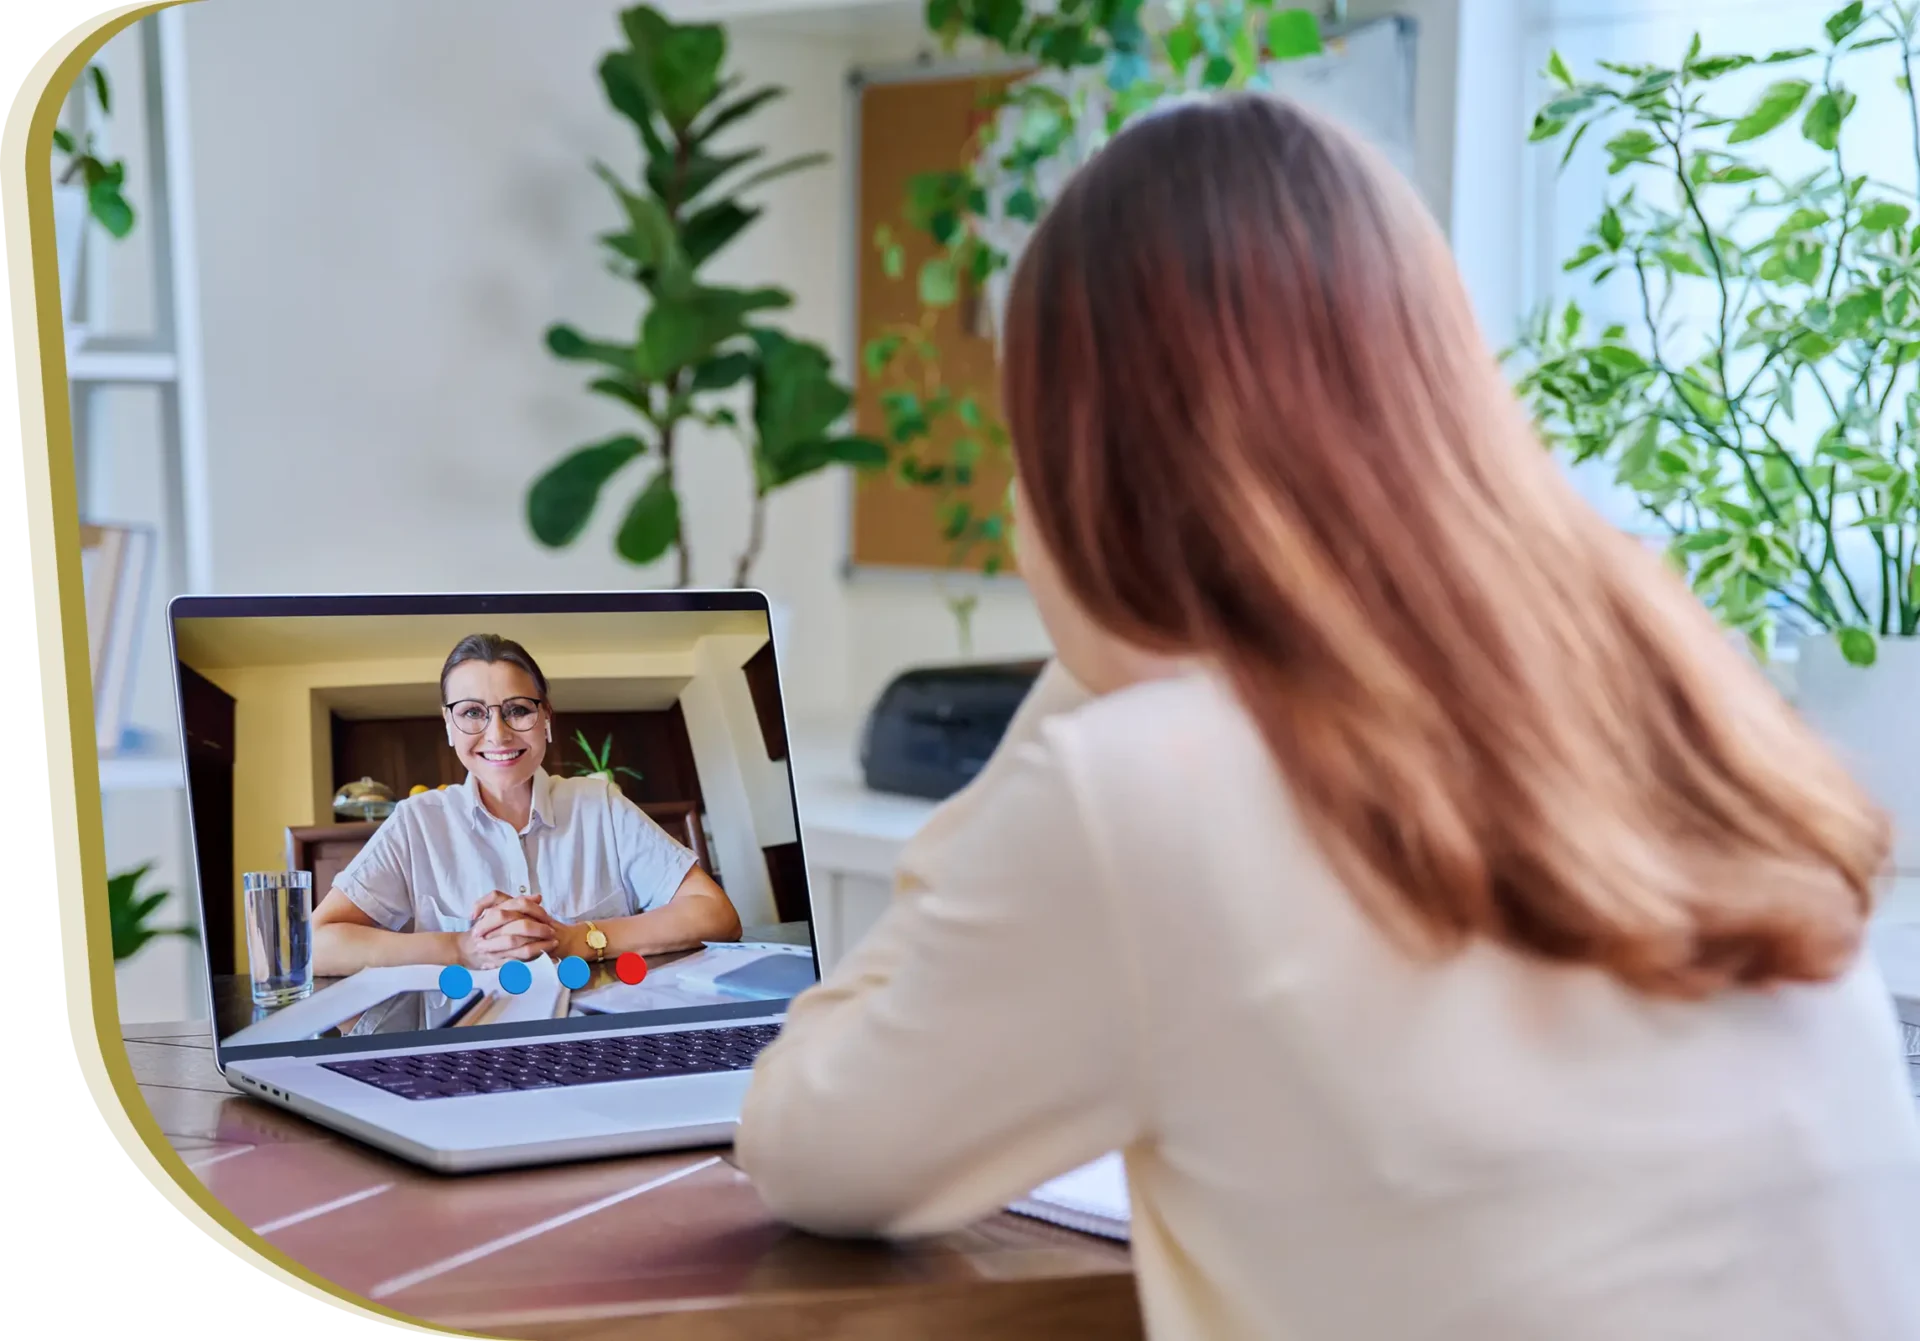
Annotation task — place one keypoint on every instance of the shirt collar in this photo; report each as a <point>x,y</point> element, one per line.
<point>542,814</point>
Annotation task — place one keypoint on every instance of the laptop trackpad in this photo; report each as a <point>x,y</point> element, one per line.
<point>683,1101</point>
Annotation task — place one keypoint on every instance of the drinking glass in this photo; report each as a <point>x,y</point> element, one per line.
<point>279,909</point>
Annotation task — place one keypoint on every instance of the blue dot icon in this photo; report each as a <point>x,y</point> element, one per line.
<point>515,977</point>
<point>574,973</point>
<point>456,984</point>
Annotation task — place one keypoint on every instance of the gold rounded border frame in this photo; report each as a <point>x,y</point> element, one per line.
<point>59,603</point>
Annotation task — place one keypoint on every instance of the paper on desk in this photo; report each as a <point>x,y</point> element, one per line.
<point>1092,1199</point>
<point>668,988</point>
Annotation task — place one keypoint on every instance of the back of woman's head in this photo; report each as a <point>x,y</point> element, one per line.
<point>1256,422</point>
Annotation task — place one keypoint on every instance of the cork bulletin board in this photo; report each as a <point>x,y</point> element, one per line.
<point>905,124</point>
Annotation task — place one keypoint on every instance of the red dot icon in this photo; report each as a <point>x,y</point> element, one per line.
<point>630,967</point>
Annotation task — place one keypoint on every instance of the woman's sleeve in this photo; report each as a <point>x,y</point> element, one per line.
<point>651,863</point>
<point>376,880</point>
<point>982,1038</point>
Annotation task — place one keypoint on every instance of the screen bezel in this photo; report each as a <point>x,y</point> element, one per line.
<point>502,603</point>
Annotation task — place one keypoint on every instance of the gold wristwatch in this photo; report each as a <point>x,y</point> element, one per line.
<point>596,942</point>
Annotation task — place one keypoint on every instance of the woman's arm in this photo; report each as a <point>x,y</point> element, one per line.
<point>698,911</point>
<point>346,939</point>
<point>983,1038</point>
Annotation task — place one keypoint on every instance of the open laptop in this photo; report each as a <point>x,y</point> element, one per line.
<point>313,723</point>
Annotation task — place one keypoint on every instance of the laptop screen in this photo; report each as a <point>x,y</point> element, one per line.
<point>455,818</point>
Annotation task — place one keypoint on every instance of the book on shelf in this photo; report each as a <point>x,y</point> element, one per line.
<point>116,565</point>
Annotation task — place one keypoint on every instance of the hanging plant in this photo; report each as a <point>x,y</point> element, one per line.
<point>1095,65</point>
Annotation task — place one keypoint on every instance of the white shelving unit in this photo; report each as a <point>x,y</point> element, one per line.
<point>166,360</point>
<point>135,370</point>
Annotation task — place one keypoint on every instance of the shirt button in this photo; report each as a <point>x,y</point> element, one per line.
<point>523,889</point>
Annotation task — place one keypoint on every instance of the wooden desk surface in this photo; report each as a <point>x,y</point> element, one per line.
<point>597,1250</point>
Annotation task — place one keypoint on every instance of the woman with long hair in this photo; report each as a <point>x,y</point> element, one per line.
<point>1459,937</point>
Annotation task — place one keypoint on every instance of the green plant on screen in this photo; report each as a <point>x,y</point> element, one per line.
<point>599,762</point>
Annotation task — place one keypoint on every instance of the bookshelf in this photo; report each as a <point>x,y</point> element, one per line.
<point>134,373</point>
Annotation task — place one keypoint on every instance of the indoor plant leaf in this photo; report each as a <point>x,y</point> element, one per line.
<point>795,396</point>
<point>652,523</point>
<point>729,112</point>
<point>680,63</point>
<point>705,233</point>
<point>1779,101</point>
<point>567,343</point>
<point>780,169</point>
<point>562,501</point>
<point>683,332</point>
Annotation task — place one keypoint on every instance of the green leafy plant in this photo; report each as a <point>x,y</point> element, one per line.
<point>1763,410</point>
<point>1097,64</point>
<point>699,348</point>
<point>599,762</point>
<point>130,912</point>
<point>105,180</point>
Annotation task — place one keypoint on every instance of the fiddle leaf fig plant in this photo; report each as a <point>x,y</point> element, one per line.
<point>104,179</point>
<point>700,356</point>
<point>1760,406</point>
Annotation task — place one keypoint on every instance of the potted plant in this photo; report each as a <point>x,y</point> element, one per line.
<point>702,358</point>
<point>600,763</point>
<point>1759,402</point>
<point>130,913</point>
<point>85,186</point>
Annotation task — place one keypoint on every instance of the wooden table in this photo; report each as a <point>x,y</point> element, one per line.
<point>599,1250</point>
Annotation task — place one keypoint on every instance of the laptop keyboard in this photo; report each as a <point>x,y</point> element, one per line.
<point>544,1066</point>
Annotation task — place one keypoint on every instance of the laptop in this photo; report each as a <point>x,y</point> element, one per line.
<point>651,764</point>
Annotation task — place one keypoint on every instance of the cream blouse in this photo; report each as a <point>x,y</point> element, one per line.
<point>1119,938</point>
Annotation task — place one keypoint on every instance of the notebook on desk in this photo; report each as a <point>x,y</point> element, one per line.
<point>1092,1199</point>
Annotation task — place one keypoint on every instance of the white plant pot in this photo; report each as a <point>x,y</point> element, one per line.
<point>69,239</point>
<point>1871,716</point>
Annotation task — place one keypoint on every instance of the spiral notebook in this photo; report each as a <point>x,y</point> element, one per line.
<point>1091,1199</point>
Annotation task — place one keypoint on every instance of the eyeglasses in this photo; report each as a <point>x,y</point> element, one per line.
<point>517,714</point>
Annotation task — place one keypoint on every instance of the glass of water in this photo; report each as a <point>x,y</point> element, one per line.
<point>279,907</point>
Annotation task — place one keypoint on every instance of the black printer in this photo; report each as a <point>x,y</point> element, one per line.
<point>935,727</point>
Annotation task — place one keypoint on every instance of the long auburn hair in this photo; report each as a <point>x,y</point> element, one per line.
<point>1255,421</point>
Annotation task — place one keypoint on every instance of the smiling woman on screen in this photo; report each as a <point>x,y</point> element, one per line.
<point>1461,940</point>
<point>513,863</point>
